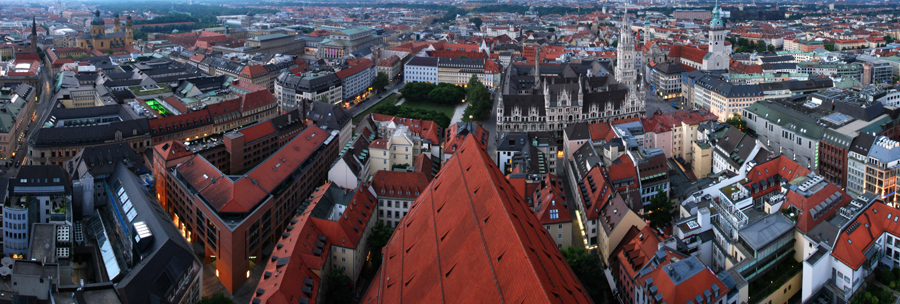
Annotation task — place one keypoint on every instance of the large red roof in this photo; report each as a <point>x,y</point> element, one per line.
<point>852,244</point>
<point>241,195</point>
<point>598,190</point>
<point>257,131</point>
<point>469,237</point>
<point>299,259</point>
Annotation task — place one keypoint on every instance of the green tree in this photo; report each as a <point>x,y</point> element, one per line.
<point>338,287</point>
<point>416,91</point>
<point>379,237</point>
<point>550,29</point>
<point>381,81</point>
<point>829,47</point>
<point>477,22</point>
<point>589,271</point>
<point>888,39</point>
<point>737,122</point>
<point>366,16</point>
<point>661,211</point>
<point>479,99</point>
<point>217,298</point>
<point>352,16</point>
<point>447,94</point>
<point>323,98</point>
<point>771,48</point>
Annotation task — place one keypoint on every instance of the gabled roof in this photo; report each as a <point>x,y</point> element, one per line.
<point>860,234</point>
<point>347,230</point>
<point>399,184</point>
<point>596,191</point>
<point>290,274</point>
<point>257,131</point>
<point>551,196</point>
<point>685,280</point>
<point>468,238</point>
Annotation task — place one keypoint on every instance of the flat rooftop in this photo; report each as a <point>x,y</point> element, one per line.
<point>43,243</point>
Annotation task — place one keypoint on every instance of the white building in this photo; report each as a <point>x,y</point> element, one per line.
<point>421,69</point>
<point>357,80</point>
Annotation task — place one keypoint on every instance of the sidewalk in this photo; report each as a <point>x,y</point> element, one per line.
<point>458,114</point>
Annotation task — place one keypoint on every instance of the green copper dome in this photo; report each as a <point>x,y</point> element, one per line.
<point>97,20</point>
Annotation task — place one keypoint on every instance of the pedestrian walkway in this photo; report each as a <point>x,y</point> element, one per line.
<point>371,103</point>
<point>458,113</point>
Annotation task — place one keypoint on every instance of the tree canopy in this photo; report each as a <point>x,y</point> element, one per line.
<point>379,237</point>
<point>447,94</point>
<point>479,99</point>
<point>417,91</point>
<point>661,211</point>
<point>477,22</point>
<point>338,287</point>
<point>381,81</point>
<point>217,298</point>
<point>408,112</point>
<point>589,271</point>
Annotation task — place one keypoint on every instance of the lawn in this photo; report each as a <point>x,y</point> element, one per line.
<point>390,100</point>
<point>441,108</point>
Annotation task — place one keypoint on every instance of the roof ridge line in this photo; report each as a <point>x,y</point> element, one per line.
<point>478,225</point>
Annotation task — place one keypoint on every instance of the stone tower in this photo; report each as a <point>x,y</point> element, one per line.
<point>33,36</point>
<point>117,24</point>
<point>625,71</point>
<point>129,30</point>
<point>719,56</point>
<point>98,26</point>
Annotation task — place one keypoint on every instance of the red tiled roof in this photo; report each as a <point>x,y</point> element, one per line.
<point>399,184</point>
<point>600,131</point>
<point>468,238</point>
<point>426,129</point>
<point>623,170</point>
<point>284,284</point>
<point>781,166</point>
<point>805,220</point>
<point>360,66</point>
<point>242,195</point>
<point>173,149</point>
<point>176,123</point>
<point>378,144</point>
<point>636,252</point>
<point>457,54</point>
<point>423,164</point>
<point>257,131</point>
<point>551,196</point>
<point>851,246</point>
<point>453,139</point>
<point>693,54</point>
<point>252,95</point>
<point>689,288</point>
<point>664,122</point>
<point>253,70</point>
<point>348,229</point>
<point>175,103</point>
<point>597,194</point>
